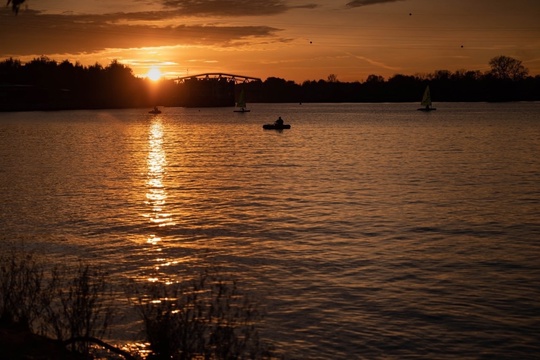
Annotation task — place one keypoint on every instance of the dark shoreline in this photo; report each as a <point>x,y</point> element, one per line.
<point>43,84</point>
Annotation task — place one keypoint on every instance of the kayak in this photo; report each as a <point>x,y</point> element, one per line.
<point>276,127</point>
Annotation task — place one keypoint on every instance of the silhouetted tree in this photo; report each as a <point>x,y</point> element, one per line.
<point>441,75</point>
<point>279,90</point>
<point>332,78</point>
<point>372,79</point>
<point>15,5</point>
<point>10,70</point>
<point>507,68</point>
<point>403,88</point>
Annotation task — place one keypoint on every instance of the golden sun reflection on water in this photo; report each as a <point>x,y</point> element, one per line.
<point>156,195</point>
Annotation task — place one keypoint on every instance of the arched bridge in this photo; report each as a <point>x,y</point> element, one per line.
<point>219,76</point>
<point>210,89</point>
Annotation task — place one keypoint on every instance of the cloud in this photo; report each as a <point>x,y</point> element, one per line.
<point>358,3</point>
<point>75,34</point>
<point>228,8</point>
<point>375,63</point>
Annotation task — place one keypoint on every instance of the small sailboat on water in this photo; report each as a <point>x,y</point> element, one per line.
<point>426,101</point>
<point>241,103</point>
<point>155,110</point>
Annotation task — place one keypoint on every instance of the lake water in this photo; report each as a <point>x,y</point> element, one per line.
<point>366,231</point>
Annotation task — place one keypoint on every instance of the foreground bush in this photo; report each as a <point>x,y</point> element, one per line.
<point>70,305</point>
<point>82,307</point>
<point>206,317</point>
<point>24,290</point>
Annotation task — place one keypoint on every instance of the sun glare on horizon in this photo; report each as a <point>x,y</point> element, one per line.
<point>154,74</point>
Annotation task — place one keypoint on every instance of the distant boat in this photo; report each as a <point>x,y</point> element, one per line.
<point>155,110</point>
<point>277,125</point>
<point>426,101</point>
<point>241,103</point>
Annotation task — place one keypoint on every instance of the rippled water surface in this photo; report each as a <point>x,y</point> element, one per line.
<point>365,231</point>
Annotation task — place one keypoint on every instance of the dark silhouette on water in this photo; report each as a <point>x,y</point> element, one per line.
<point>426,101</point>
<point>241,103</point>
<point>277,125</point>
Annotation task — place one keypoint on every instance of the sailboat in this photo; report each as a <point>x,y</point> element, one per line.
<point>155,110</point>
<point>241,103</point>
<point>426,101</point>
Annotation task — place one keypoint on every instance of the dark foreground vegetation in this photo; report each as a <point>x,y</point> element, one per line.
<point>44,84</point>
<point>52,312</point>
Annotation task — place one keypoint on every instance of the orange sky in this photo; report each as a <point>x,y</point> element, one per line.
<point>292,39</point>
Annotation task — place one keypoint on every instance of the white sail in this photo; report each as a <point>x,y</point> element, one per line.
<point>241,100</point>
<point>426,99</point>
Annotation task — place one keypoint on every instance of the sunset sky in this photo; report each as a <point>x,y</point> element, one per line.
<point>292,39</point>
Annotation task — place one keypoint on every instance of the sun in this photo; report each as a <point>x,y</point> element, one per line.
<point>154,73</point>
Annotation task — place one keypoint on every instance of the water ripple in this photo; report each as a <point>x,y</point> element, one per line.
<point>385,235</point>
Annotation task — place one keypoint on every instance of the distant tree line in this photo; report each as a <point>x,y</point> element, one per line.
<point>507,80</point>
<point>46,84</point>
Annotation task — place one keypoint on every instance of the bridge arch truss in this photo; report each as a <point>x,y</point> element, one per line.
<point>237,79</point>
